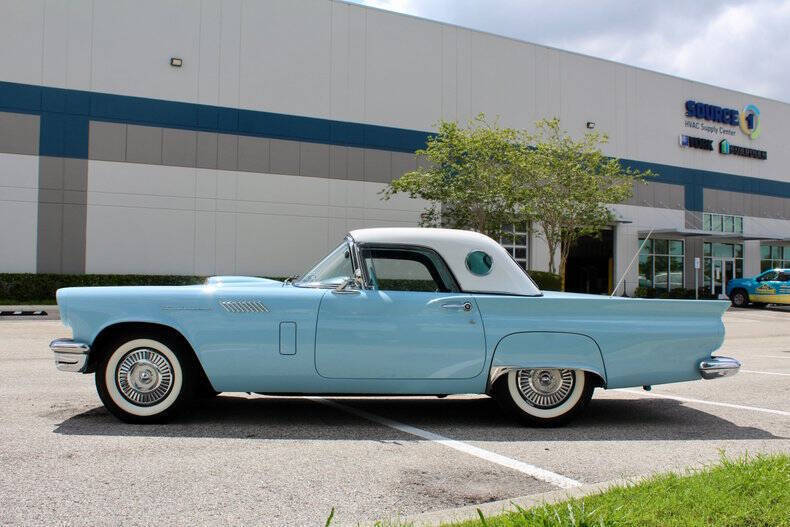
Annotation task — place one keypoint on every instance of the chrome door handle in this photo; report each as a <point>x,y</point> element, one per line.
<point>466,306</point>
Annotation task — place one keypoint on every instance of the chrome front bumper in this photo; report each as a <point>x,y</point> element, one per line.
<point>716,367</point>
<point>70,355</point>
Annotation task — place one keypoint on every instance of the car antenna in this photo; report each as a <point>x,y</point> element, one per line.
<point>632,263</point>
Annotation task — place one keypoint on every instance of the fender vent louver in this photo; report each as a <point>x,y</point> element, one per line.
<point>244,306</point>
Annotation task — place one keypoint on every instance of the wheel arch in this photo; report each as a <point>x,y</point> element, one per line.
<point>547,349</point>
<point>115,330</point>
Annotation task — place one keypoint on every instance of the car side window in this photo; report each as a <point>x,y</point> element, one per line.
<point>769,276</point>
<point>398,269</point>
<point>784,277</point>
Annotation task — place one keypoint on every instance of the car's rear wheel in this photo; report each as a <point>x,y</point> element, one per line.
<point>145,379</point>
<point>739,298</point>
<point>545,396</point>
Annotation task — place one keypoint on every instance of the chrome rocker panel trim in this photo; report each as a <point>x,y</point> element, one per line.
<point>70,355</point>
<point>716,367</point>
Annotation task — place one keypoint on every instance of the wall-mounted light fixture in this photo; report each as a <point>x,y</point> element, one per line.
<point>176,62</point>
<point>590,125</point>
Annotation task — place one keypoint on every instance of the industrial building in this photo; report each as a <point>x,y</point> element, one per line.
<point>247,137</point>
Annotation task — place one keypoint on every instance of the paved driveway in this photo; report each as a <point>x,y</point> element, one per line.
<point>289,460</point>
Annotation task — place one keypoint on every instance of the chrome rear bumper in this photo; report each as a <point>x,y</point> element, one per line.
<point>70,355</point>
<point>716,367</point>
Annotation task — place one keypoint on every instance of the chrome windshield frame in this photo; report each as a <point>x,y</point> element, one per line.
<point>356,268</point>
<point>356,262</point>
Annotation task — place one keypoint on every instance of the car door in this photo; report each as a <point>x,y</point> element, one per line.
<point>767,288</point>
<point>411,322</point>
<point>783,287</point>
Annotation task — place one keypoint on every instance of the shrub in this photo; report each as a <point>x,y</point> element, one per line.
<point>652,292</point>
<point>546,281</point>
<point>27,287</point>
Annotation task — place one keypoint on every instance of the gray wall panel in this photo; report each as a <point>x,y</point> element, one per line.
<point>356,164</point>
<point>693,220</point>
<point>254,154</point>
<point>179,147</point>
<point>314,160</point>
<point>74,233</point>
<point>378,166</point>
<point>677,196</point>
<point>144,144</point>
<point>284,157</point>
<point>75,174</point>
<point>227,152</point>
<point>50,172</point>
<point>50,195</point>
<point>338,162</point>
<point>49,249</point>
<point>402,163</point>
<point>19,133</point>
<point>660,195</point>
<point>107,141</point>
<point>206,150</point>
<point>75,197</point>
<point>62,215</point>
<point>709,199</point>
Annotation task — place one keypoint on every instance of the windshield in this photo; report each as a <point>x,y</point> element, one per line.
<point>331,271</point>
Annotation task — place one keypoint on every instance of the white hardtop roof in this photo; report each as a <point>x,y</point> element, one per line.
<point>453,246</point>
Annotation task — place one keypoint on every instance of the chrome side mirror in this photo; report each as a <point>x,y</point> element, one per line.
<point>349,286</point>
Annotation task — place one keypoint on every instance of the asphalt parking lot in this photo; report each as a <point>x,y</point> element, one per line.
<point>248,459</point>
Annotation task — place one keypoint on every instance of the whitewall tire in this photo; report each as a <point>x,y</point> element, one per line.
<point>544,396</point>
<point>144,378</point>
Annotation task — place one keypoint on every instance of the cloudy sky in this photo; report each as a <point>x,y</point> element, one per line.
<point>739,44</point>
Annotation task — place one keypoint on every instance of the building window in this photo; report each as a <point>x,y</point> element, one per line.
<point>718,256</point>
<point>515,240</point>
<point>661,264</point>
<point>773,257</point>
<point>722,223</point>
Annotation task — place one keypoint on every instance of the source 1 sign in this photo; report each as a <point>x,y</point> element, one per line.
<point>709,112</point>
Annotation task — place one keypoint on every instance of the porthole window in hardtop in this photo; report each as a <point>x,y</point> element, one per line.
<point>479,263</point>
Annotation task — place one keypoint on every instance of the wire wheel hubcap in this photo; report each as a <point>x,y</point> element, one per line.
<point>144,377</point>
<point>545,388</point>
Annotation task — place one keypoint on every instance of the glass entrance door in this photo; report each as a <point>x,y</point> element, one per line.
<point>723,270</point>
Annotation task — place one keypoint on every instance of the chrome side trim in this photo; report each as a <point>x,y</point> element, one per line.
<point>244,306</point>
<point>70,355</point>
<point>716,367</point>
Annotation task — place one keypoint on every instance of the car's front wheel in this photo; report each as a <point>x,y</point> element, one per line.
<point>145,379</point>
<point>739,298</point>
<point>545,396</point>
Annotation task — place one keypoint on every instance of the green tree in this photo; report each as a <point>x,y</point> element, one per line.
<point>469,178</point>
<point>570,184</point>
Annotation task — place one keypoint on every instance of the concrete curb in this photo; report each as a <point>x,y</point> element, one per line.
<point>52,312</point>
<point>469,512</point>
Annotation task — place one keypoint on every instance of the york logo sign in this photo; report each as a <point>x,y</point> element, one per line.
<point>748,119</point>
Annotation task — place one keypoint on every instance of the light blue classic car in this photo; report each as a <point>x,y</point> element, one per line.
<point>401,311</point>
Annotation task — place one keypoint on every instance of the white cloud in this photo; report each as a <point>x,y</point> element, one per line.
<point>737,44</point>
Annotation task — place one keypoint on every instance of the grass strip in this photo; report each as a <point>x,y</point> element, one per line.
<point>746,491</point>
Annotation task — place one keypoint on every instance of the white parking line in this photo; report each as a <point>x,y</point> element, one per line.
<point>520,466</point>
<point>701,401</point>
<point>766,372</point>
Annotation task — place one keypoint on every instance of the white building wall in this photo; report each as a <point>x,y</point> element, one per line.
<point>161,219</point>
<point>18,212</point>
<point>325,58</point>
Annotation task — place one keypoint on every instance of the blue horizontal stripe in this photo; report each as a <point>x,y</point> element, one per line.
<point>65,115</point>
